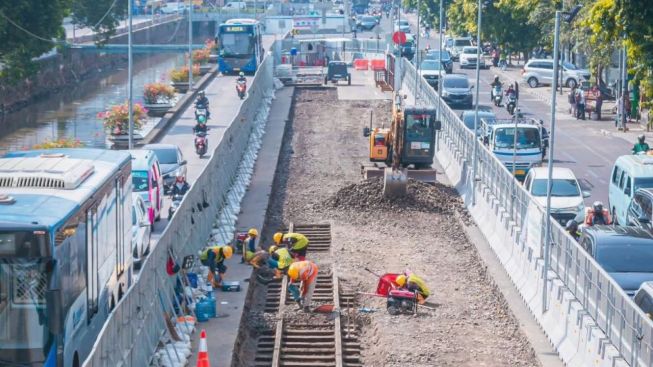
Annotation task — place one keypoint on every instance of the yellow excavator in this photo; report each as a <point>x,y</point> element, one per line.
<point>404,150</point>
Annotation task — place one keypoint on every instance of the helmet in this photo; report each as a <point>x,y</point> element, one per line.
<point>273,248</point>
<point>401,280</point>
<point>278,237</point>
<point>293,271</point>
<point>496,78</point>
<point>180,179</point>
<point>241,74</point>
<point>227,251</point>
<point>252,232</point>
<point>200,93</point>
<point>598,207</point>
<point>641,138</point>
<point>201,119</point>
<point>572,226</point>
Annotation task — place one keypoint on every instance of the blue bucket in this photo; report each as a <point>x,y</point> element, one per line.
<point>192,279</point>
<point>205,309</point>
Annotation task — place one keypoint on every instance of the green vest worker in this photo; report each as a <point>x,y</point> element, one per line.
<point>415,284</point>
<point>296,242</point>
<point>214,257</point>
<point>279,260</point>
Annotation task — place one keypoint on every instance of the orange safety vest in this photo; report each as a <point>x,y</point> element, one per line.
<point>589,218</point>
<point>307,271</point>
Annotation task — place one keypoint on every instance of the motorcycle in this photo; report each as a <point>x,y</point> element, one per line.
<point>497,95</point>
<point>201,143</point>
<point>241,88</point>
<point>176,201</point>
<point>201,109</point>
<point>512,103</point>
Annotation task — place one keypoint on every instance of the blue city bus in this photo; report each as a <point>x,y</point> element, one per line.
<point>240,46</point>
<point>65,251</point>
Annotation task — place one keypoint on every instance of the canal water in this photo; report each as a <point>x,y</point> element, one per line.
<point>73,112</point>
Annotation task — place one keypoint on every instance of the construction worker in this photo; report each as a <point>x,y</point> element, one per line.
<point>305,273</point>
<point>297,244</point>
<point>214,257</point>
<point>249,244</point>
<point>597,214</point>
<point>257,259</point>
<point>415,284</point>
<point>279,260</point>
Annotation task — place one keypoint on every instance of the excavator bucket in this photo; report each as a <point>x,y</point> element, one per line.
<point>395,183</point>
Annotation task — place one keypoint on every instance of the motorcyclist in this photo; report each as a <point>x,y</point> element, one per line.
<point>641,146</point>
<point>495,57</point>
<point>572,229</point>
<point>597,215</point>
<point>180,187</point>
<point>202,102</point>
<point>241,79</point>
<point>200,126</point>
<point>495,83</point>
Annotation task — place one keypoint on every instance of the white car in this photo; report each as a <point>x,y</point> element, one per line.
<point>141,229</point>
<point>468,58</point>
<point>402,25</point>
<point>173,8</point>
<point>566,196</point>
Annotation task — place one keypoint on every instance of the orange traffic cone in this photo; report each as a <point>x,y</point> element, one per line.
<point>203,353</point>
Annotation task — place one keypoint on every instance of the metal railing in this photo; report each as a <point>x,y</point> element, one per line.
<point>628,329</point>
<point>134,329</point>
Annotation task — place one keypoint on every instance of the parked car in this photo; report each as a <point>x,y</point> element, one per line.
<point>625,253</point>
<point>402,25</point>
<point>456,46</point>
<point>456,90</point>
<point>141,230</point>
<point>235,5</point>
<point>630,173</point>
<point>366,22</point>
<point>566,195</point>
<point>446,59</point>
<point>484,113</point>
<point>644,298</point>
<point>540,72</point>
<point>430,70</point>
<point>468,58</point>
<point>171,161</point>
<point>640,210</point>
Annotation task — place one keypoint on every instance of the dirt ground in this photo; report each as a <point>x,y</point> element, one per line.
<point>319,180</point>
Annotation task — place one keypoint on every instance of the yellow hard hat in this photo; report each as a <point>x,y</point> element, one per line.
<point>401,280</point>
<point>253,232</point>
<point>227,251</point>
<point>278,237</point>
<point>293,271</point>
<point>273,248</point>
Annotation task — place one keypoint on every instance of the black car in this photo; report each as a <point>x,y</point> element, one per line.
<point>366,22</point>
<point>640,210</point>
<point>456,91</point>
<point>446,59</point>
<point>625,253</point>
<point>336,71</point>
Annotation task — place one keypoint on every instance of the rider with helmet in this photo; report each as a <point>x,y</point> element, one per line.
<point>641,146</point>
<point>597,215</point>
<point>202,102</point>
<point>214,258</point>
<point>180,187</point>
<point>415,284</point>
<point>241,77</point>
<point>495,83</point>
<point>572,229</point>
<point>200,126</point>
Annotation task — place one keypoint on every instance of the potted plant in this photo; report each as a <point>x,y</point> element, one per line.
<point>158,98</point>
<point>201,57</point>
<point>179,77</point>
<point>116,118</point>
<point>60,143</point>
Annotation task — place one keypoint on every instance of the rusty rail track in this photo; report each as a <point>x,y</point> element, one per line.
<point>295,342</point>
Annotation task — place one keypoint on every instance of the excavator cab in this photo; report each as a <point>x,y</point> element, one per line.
<point>418,137</point>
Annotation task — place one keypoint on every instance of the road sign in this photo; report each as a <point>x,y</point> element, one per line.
<point>399,38</point>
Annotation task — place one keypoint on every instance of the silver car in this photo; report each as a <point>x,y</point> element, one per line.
<point>540,72</point>
<point>141,230</point>
<point>171,161</point>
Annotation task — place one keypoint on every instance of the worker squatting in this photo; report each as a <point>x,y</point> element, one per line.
<point>287,257</point>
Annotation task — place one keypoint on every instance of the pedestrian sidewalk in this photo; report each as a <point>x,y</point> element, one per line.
<point>605,126</point>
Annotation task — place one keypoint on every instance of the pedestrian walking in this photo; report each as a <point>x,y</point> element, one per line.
<point>580,103</point>
<point>572,101</point>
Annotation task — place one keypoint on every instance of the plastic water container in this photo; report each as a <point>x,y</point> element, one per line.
<point>192,279</point>
<point>205,309</point>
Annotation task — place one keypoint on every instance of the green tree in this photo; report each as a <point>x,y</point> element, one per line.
<point>102,16</point>
<point>28,29</point>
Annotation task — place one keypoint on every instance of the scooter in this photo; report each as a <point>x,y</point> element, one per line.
<point>176,201</point>
<point>201,109</point>
<point>241,88</point>
<point>512,103</point>
<point>497,95</point>
<point>201,143</point>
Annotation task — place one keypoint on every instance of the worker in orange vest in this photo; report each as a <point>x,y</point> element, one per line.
<point>597,215</point>
<point>305,273</point>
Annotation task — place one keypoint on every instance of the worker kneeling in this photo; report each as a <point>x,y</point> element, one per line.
<point>297,244</point>
<point>306,273</point>
<point>414,284</point>
<point>214,258</point>
<point>279,260</point>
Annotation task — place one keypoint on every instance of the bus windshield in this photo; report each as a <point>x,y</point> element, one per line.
<point>527,138</point>
<point>139,180</point>
<point>236,44</point>
<point>24,335</point>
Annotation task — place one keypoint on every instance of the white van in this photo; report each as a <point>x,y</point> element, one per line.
<point>235,5</point>
<point>630,172</point>
<point>148,182</point>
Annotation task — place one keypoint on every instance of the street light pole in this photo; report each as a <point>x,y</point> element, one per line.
<point>190,45</point>
<point>130,71</point>
<point>478,77</point>
<point>549,181</point>
<point>417,53</point>
<point>440,57</point>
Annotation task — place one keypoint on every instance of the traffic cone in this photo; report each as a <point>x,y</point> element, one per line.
<point>203,353</point>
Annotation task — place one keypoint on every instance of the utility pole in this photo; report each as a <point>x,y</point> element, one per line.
<point>130,76</point>
<point>478,77</point>
<point>190,45</point>
<point>624,87</point>
<point>417,53</point>
<point>440,57</point>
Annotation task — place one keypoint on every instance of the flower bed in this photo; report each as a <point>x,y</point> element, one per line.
<point>116,118</point>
